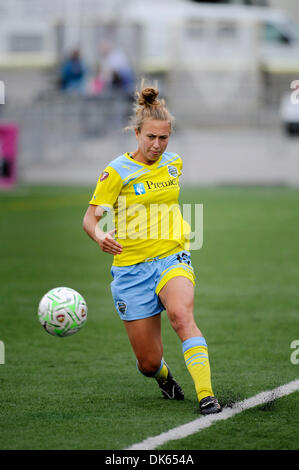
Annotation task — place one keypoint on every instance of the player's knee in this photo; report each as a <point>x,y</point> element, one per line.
<point>182,321</point>
<point>178,318</point>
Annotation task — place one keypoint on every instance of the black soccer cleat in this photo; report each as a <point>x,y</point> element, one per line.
<point>170,388</point>
<point>209,405</point>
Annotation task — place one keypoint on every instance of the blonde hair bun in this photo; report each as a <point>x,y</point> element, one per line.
<point>148,97</point>
<point>147,106</point>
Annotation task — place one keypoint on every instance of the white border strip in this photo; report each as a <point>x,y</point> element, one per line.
<point>205,421</point>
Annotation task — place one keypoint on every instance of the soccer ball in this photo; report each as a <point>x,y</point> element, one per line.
<point>62,311</point>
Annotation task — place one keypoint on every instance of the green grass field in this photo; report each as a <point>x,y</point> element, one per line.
<point>83,392</point>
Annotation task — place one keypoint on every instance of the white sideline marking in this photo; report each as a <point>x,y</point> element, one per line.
<point>205,421</point>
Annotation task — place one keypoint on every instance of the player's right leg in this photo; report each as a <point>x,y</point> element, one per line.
<point>138,305</point>
<point>146,341</point>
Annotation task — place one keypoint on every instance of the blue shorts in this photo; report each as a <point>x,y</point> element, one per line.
<point>135,289</point>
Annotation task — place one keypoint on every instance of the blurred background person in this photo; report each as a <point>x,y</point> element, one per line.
<point>72,73</point>
<point>117,71</point>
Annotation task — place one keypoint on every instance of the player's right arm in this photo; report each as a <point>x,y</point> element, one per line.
<point>105,195</point>
<point>104,239</point>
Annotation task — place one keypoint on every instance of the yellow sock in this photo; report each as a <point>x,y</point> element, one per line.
<point>196,357</point>
<point>162,372</point>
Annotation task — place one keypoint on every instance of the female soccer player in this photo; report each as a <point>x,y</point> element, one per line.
<point>151,267</point>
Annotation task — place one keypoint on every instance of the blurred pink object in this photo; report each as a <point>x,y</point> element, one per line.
<point>97,86</point>
<point>8,154</point>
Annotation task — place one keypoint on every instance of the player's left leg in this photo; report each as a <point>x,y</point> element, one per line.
<point>177,296</point>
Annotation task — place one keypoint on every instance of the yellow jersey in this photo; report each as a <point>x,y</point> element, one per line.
<point>143,200</point>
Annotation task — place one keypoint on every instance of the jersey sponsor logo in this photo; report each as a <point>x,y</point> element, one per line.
<point>172,171</point>
<point>104,175</point>
<point>161,184</point>
<point>139,189</point>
